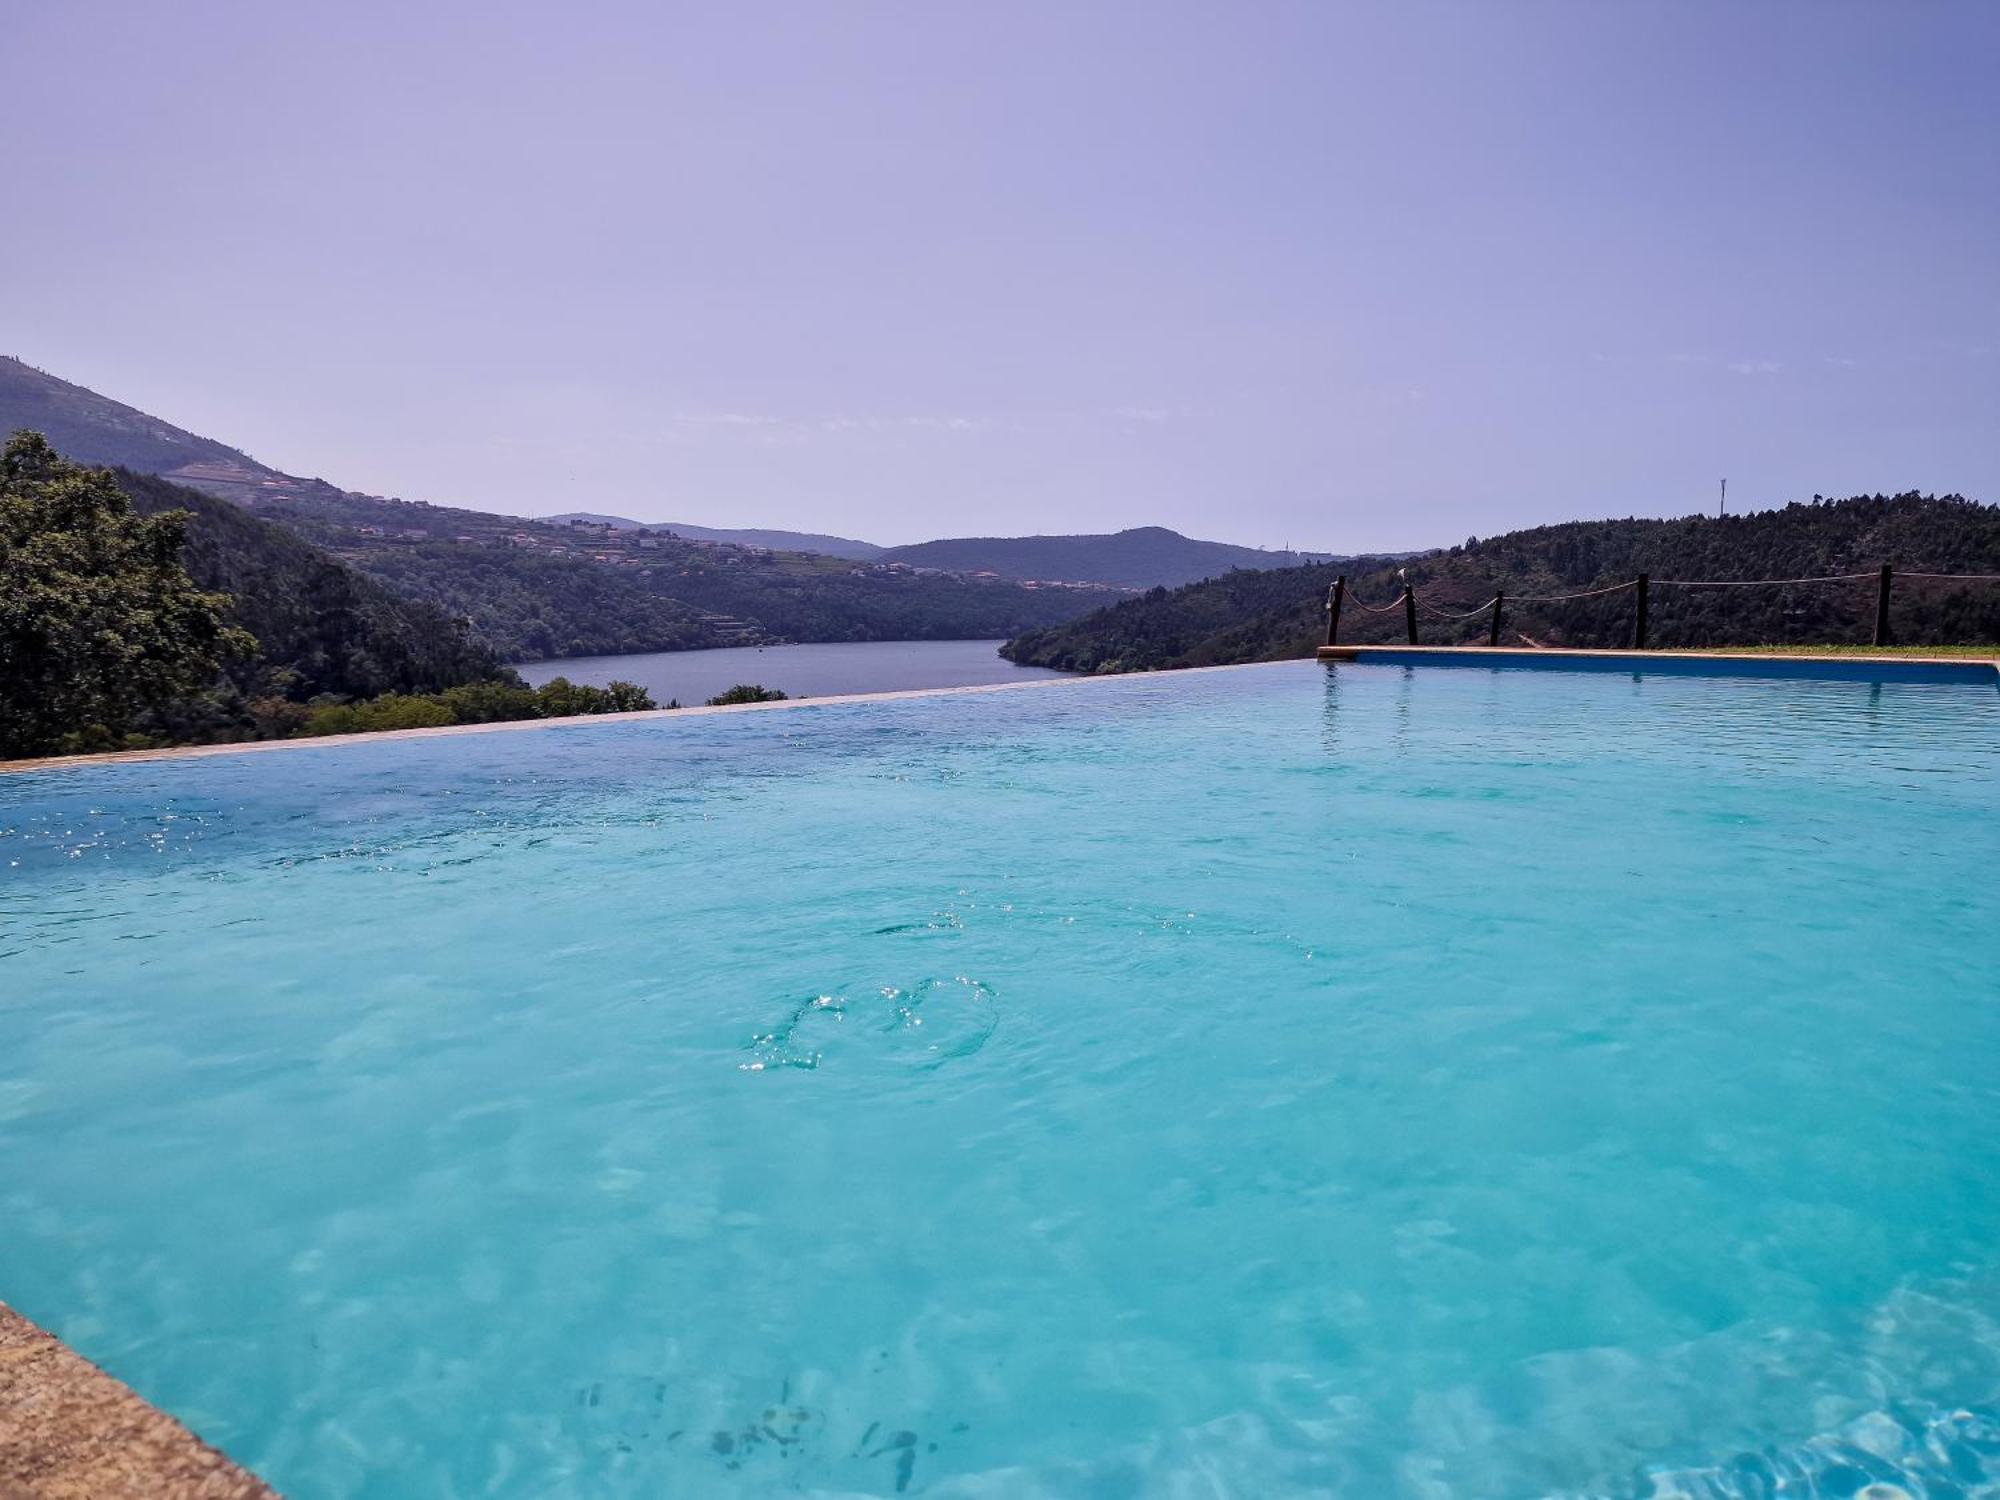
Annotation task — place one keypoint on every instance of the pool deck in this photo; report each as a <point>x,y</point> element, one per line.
<point>68,1431</point>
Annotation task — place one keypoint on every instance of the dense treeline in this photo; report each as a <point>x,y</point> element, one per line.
<point>1256,616</point>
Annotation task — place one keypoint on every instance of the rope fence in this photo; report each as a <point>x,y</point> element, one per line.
<point>1373,609</point>
<point>1642,588</point>
<point>1468,614</point>
<point>1758,583</point>
<point>1612,588</point>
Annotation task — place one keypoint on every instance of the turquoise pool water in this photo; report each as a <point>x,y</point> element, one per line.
<point>1285,1081</point>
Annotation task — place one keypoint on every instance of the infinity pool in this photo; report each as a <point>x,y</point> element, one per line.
<point>1283,1081</point>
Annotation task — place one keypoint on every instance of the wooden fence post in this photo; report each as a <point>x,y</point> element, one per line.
<point>1639,614</point>
<point>1334,596</point>
<point>1499,603</point>
<point>1882,608</point>
<point>1410,611</point>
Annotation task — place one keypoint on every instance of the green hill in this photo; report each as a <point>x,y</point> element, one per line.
<point>1264,616</point>
<point>1143,557</point>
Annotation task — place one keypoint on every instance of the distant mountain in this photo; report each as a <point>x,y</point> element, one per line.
<point>1271,615</point>
<point>536,589</point>
<point>777,541</point>
<point>79,422</point>
<point>93,429</point>
<point>1144,557</point>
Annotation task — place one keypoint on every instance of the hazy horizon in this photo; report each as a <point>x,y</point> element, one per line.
<point>1335,278</point>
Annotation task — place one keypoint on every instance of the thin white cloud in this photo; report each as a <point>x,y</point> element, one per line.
<point>1755,366</point>
<point>769,428</point>
<point>913,423</point>
<point>725,419</point>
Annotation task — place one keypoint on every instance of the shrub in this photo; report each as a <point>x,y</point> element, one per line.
<point>390,711</point>
<point>746,692</point>
<point>473,703</point>
<point>559,698</point>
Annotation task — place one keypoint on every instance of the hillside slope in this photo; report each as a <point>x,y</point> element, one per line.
<point>83,425</point>
<point>1143,557</point>
<point>1270,615</point>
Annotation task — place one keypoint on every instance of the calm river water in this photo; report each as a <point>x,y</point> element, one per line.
<point>816,671</point>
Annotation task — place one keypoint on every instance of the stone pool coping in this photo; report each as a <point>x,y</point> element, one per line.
<point>1908,668</point>
<point>68,1431</point>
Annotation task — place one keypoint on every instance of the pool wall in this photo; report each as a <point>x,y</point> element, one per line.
<point>1939,669</point>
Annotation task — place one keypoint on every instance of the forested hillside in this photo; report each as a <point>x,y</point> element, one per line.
<point>537,590</point>
<point>1257,616</point>
<point>320,626</point>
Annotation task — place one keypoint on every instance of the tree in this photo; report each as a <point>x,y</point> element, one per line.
<point>100,624</point>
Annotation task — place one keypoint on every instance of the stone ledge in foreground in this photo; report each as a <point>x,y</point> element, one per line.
<point>68,1431</point>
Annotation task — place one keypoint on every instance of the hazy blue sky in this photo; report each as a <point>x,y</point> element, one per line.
<point>1335,275</point>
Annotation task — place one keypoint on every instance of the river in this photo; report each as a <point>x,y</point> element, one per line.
<point>813,671</point>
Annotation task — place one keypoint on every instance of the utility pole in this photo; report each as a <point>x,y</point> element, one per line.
<point>1722,504</point>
